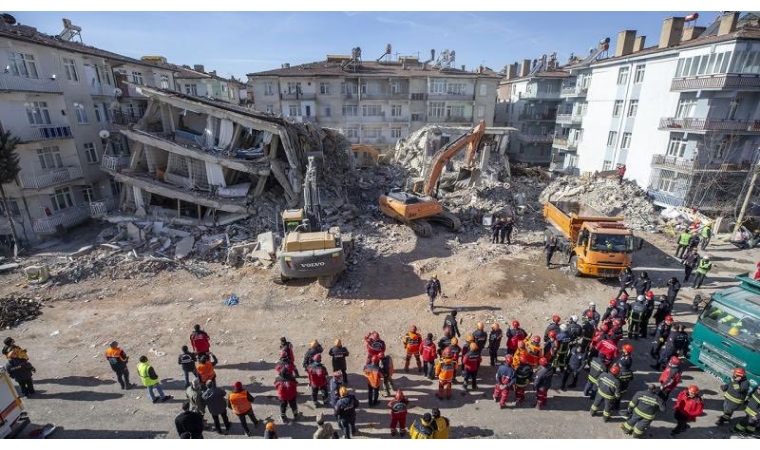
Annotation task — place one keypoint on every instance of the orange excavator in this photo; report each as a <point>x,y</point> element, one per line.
<point>418,206</point>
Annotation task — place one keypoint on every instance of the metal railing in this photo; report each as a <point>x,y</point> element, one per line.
<point>33,133</point>
<point>537,116</point>
<point>542,95</point>
<point>66,218</point>
<point>715,81</point>
<point>10,82</point>
<point>101,208</point>
<point>565,143</point>
<point>52,178</point>
<point>535,138</point>
<point>691,123</point>
<point>124,119</point>
<point>572,91</point>
<point>690,166</point>
<point>114,163</point>
<point>569,118</point>
<point>457,119</point>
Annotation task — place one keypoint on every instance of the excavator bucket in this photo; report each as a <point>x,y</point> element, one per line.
<point>468,177</point>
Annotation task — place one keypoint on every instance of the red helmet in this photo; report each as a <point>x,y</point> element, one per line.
<point>374,335</point>
<point>375,359</point>
<point>668,319</point>
<point>613,303</point>
<point>628,348</point>
<point>413,328</point>
<point>615,370</point>
<point>649,295</point>
<point>624,297</point>
<point>617,323</point>
<point>543,361</point>
<point>556,318</point>
<point>590,314</point>
<point>552,334</point>
<point>515,324</point>
<point>693,389</point>
<point>536,339</point>
<point>317,357</point>
<point>238,386</point>
<point>739,372</point>
<point>520,344</point>
<point>446,353</point>
<point>399,394</point>
<point>509,360</point>
<point>605,328</point>
<point>675,360</point>
<point>523,360</point>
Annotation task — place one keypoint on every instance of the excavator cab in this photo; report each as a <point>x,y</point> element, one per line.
<point>292,219</point>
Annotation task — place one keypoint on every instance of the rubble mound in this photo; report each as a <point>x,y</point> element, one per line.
<point>18,308</point>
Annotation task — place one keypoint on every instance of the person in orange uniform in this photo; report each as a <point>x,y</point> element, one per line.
<point>412,344</point>
<point>206,370</point>
<point>240,402</point>
<point>118,361</point>
<point>374,380</point>
<point>445,370</point>
<point>519,354</point>
<point>533,351</point>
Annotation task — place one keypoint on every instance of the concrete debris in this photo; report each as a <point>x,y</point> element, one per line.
<point>17,308</point>
<point>37,274</point>
<point>9,266</point>
<point>184,247</point>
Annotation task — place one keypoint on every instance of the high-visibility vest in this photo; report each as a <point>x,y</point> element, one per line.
<point>412,343</point>
<point>420,430</point>
<point>206,371</point>
<point>442,431</point>
<point>239,402</point>
<point>142,369</point>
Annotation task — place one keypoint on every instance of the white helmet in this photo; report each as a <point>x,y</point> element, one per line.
<point>573,318</point>
<point>640,298</point>
<point>563,327</point>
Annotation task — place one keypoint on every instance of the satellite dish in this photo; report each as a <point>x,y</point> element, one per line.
<point>104,134</point>
<point>117,92</point>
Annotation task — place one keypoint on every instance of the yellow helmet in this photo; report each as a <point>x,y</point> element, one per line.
<point>434,276</point>
<point>733,331</point>
<point>473,347</point>
<point>338,343</point>
<point>469,338</point>
<point>314,343</point>
<point>480,326</point>
<point>343,391</point>
<point>454,341</point>
<point>270,426</point>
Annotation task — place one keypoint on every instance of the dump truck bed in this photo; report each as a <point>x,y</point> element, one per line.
<point>567,217</point>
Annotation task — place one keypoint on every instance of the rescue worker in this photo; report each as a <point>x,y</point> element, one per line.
<point>433,290</point>
<point>533,351</point>
<point>398,407</point>
<point>575,364</point>
<point>636,317</point>
<point>550,246</point>
<point>749,424</point>
<point>118,361</point>
<point>588,330</point>
<point>496,228</point>
<point>241,403</point>
<point>440,425</point>
<point>429,353</point>
<point>287,391</point>
<point>734,394</point>
<point>205,370</point>
<point>626,281</point>
<point>506,230</point>
<point>683,243</point>
<point>339,353</point>
<point>456,354</point>
<point>413,346</point>
<point>450,327</point>
<point>594,313</point>
<point>574,329</point>
<point>642,284</point>
<point>421,428</point>
<point>597,367</point>
<point>514,335</point>
<point>187,360</point>
<point>287,347</point>
<point>520,353</point>
<point>9,344</point>
<point>623,308</point>
<point>649,303</point>
<point>150,380</point>
<point>470,364</point>
<point>669,378</point>
<point>200,341</point>
<point>190,422</point>
<point>314,348</point>
<point>673,287</point>
<point>553,326</point>
<point>621,173</point>
<point>542,382</point>
<point>690,261</point>
<point>680,340</point>
<point>443,343</point>
<point>345,412</point>
<point>664,308</point>
<point>703,267</point>
<point>689,405</point>
<point>325,430</point>
<point>550,345</point>
<point>480,336</point>
<point>705,235</point>
<point>616,332</point>
<point>625,362</point>
<point>609,392</point>
<point>387,370</point>
<point>609,310</point>
<point>269,430</point>
<point>284,362</point>
<point>642,410</point>
<point>336,381</point>
<point>21,370</point>
<point>608,349</point>
<point>599,335</point>
<point>561,352</point>
<point>494,342</point>
<point>317,374</point>
<point>375,345</point>
<point>445,370</point>
<point>217,406</point>
<point>661,333</point>
<point>505,381</point>
<point>523,375</point>
<point>374,379</point>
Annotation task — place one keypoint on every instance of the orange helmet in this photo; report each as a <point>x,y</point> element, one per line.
<point>613,303</point>
<point>270,426</point>
<point>413,328</point>
<point>675,360</point>
<point>552,334</point>
<point>739,372</point>
<point>473,347</point>
<point>615,370</point>
<point>543,361</point>
<point>521,344</point>
<point>515,324</point>
<point>556,318</point>
<point>536,339</point>
<point>649,295</point>
<point>469,338</point>
<point>628,348</point>
<point>399,394</point>
<point>693,389</point>
<point>508,359</point>
<point>495,326</point>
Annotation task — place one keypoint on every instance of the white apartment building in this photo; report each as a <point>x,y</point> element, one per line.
<point>377,102</point>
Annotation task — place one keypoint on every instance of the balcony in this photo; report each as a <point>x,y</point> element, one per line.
<point>34,133</point>
<point>101,208</point>
<point>129,90</point>
<point>720,125</point>
<point>565,143</point>
<point>691,166</point>
<point>452,97</point>
<point>48,179</point>
<point>124,119</point>
<point>538,117</point>
<point>542,95</point>
<point>10,82</point>
<point>665,199</point>
<point>298,96</point>
<point>569,119</point>
<point>115,163</point>
<point>66,218</point>
<point>101,90</point>
<point>715,82</point>
<point>534,138</point>
<point>458,119</point>
<point>573,91</point>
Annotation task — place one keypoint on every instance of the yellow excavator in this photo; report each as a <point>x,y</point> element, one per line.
<point>418,206</point>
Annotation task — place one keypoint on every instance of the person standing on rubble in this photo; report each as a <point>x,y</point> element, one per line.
<point>496,228</point>
<point>433,290</point>
<point>621,173</point>
<point>550,246</point>
<point>506,230</point>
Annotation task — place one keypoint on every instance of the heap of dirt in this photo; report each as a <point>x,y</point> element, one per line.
<point>17,308</point>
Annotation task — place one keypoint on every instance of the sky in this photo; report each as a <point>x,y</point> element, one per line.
<point>237,43</point>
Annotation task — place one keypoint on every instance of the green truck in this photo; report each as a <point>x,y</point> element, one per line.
<point>727,332</point>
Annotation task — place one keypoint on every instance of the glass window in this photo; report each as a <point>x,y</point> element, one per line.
<point>268,88</point>
<point>436,109</point>
<point>37,113</point>
<point>703,65</point>
<point>617,108</point>
<point>611,138</point>
<point>372,110</point>
<point>294,110</point>
<point>438,86</point>
<point>677,147</point>
<point>457,88</point>
<point>395,87</point>
<point>98,114</point>
<point>639,77</point>
<point>481,111</point>
<point>396,133</point>
<point>396,110</point>
<point>191,89</point>
<point>327,111</point>
<point>711,64</point>
<point>732,324</point>
<point>685,108</point>
<point>91,153</point>
<point>50,157</point>
<point>270,108</point>
<point>611,243</point>
<point>686,67</point>
<point>350,110</point>
<point>23,65</point>
<point>623,75</point>
<point>679,68</point>
<point>70,68</point>
<point>352,133</point>
<point>324,88</point>
<point>694,66</point>
<point>81,113</point>
<point>61,199</point>
<point>633,108</point>
<point>371,133</point>
<point>137,77</point>
<point>483,90</point>
<point>626,143</point>
<point>164,83</point>
<point>718,62</point>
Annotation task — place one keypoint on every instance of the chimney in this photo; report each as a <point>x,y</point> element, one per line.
<point>511,71</point>
<point>638,43</point>
<point>463,67</point>
<point>198,67</point>
<point>624,45</point>
<point>525,68</point>
<point>286,65</point>
<point>690,33</point>
<point>728,23</point>
<point>672,29</point>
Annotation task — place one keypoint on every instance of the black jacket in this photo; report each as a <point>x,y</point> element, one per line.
<point>190,422</point>
<point>20,370</point>
<point>338,357</point>
<point>216,400</point>
<point>187,361</point>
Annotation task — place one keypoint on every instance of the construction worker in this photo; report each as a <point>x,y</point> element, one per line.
<point>597,367</point>
<point>440,424</point>
<point>683,243</point>
<point>315,348</point>
<point>533,351</point>
<point>200,341</point>
<point>445,370</point>
<point>542,382</point>
<point>387,370</point>
<point>609,392</point>
<point>325,430</point>
<point>734,394</point>
<point>690,262</point>
<point>515,334</point>
<point>749,424</point>
<point>494,342</point>
<point>205,370</point>
<point>429,352</point>
<point>626,281</point>
<point>507,228</point>
<point>345,412</point>
<point>553,326</point>
<point>505,381</point>
<point>287,392</point>
<point>287,348</point>
<point>413,346</point>
<point>21,370</point>
<point>496,228</point>
<point>150,380</point>
<point>217,406</point>
<point>118,361</point>
<point>9,344</point>
<point>703,267</point>
<point>636,317</point>
<point>336,381</point>
<point>450,326</point>
<point>398,407</point>
<point>689,405</point>
<point>421,427</point>
<point>339,353</point>
<point>550,246</point>
<point>241,403</point>
<point>705,235</point>
<point>470,364</point>
<point>269,430</point>
<point>641,411</point>
<point>669,378</point>
<point>664,308</point>
<point>523,375</point>
<point>642,284</point>
<point>187,360</point>
<point>433,290</point>
<point>317,379</point>
<point>189,422</point>
<point>575,364</point>
<point>374,380</point>
<point>481,337</point>
<point>374,344</point>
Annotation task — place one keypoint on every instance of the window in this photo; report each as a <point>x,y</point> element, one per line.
<point>685,107</point>
<point>617,108</point>
<point>396,133</point>
<point>106,113</point>
<point>108,75</point>
<point>81,113</point>
<point>550,88</point>
<point>137,77</point>
<point>372,110</point>
<point>50,157</point>
<point>622,75</point>
<point>677,147</point>
<point>633,107</point>
<point>350,110</point>
<point>720,149</point>
<point>437,86</point>
<point>164,82</point>
<point>61,199</point>
<point>371,133</point>
<point>418,117</point>
<point>457,89</point>
<point>91,153</point>
<point>352,133</point>
<point>70,67</point>
<point>668,181</point>
<point>324,88</point>
<point>370,88</point>
<point>294,110</point>
<point>294,87</point>
<point>268,88</point>
<point>22,65</point>
<point>481,111</point>
<point>395,87</point>
<point>396,110</point>
<point>98,115</point>
<point>626,141</point>
<point>327,111</point>
<point>349,88</point>
<point>270,108</point>
<point>115,187</point>
<point>611,138</point>
<point>12,208</point>
<point>639,77</point>
<point>456,111</point>
<point>607,165</point>
<point>37,113</point>
<point>191,89</point>
<point>418,96</point>
<point>435,109</point>
<point>87,194</point>
<point>483,90</point>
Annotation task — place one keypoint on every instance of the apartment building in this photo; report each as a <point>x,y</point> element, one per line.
<point>199,83</point>
<point>377,102</point>
<point>528,99</point>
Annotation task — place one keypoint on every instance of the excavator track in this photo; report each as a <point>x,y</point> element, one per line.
<point>421,227</point>
<point>447,219</point>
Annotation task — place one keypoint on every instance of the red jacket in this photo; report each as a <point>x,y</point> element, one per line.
<point>286,388</point>
<point>608,349</point>
<point>200,342</point>
<point>670,381</point>
<point>317,375</point>
<point>471,361</point>
<point>398,408</point>
<point>691,408</point>
<point>429,351</point>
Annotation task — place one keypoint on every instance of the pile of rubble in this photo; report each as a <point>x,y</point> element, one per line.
<point>16,309</point>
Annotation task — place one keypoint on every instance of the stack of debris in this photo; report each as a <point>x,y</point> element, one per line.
<point>15,309</point>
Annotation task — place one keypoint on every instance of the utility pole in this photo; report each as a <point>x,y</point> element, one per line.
<point>751,188</point>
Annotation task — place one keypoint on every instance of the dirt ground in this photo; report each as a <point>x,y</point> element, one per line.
<point>77,390</point>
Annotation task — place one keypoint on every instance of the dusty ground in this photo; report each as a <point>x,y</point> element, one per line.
<point>384,292</point>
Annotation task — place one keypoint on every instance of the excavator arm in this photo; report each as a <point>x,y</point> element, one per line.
<point>442,156</point>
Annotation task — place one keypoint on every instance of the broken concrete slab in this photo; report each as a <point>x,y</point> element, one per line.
<point>134,232</point>
<point>184,247</point>
<point>173,232</point>
<point>82,251</point>
<point>110,246</point>
<point>9,266</point>
<point>266,241</point>
<point>158,227</point>
<point>236,253</point>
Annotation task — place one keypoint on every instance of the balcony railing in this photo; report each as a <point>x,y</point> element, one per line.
<point>665,198</point>
<point>690,123</point>
<point>458,119</point>
<point>690,166</point>
<point>99,89</point>
<point>534,138</point>
<point>569,118</point>
<point>114,163</point>
<point>542,95</point>
<point>52,178</point>
<point>565,143</point>
<point>100,208</point>
<point>298,96</point>
<point>537,116</point>
<point>716,81</point>
<point>42,133</point>
<point>573,91</point>
<point>124,119</point>
<point>66,218</point>
<point>10,82</point>
<point>451,96</point>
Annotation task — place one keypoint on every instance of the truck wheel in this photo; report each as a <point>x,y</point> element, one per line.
<point>328,281</point>
<point>278,277</point>
<point>574,266</point>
